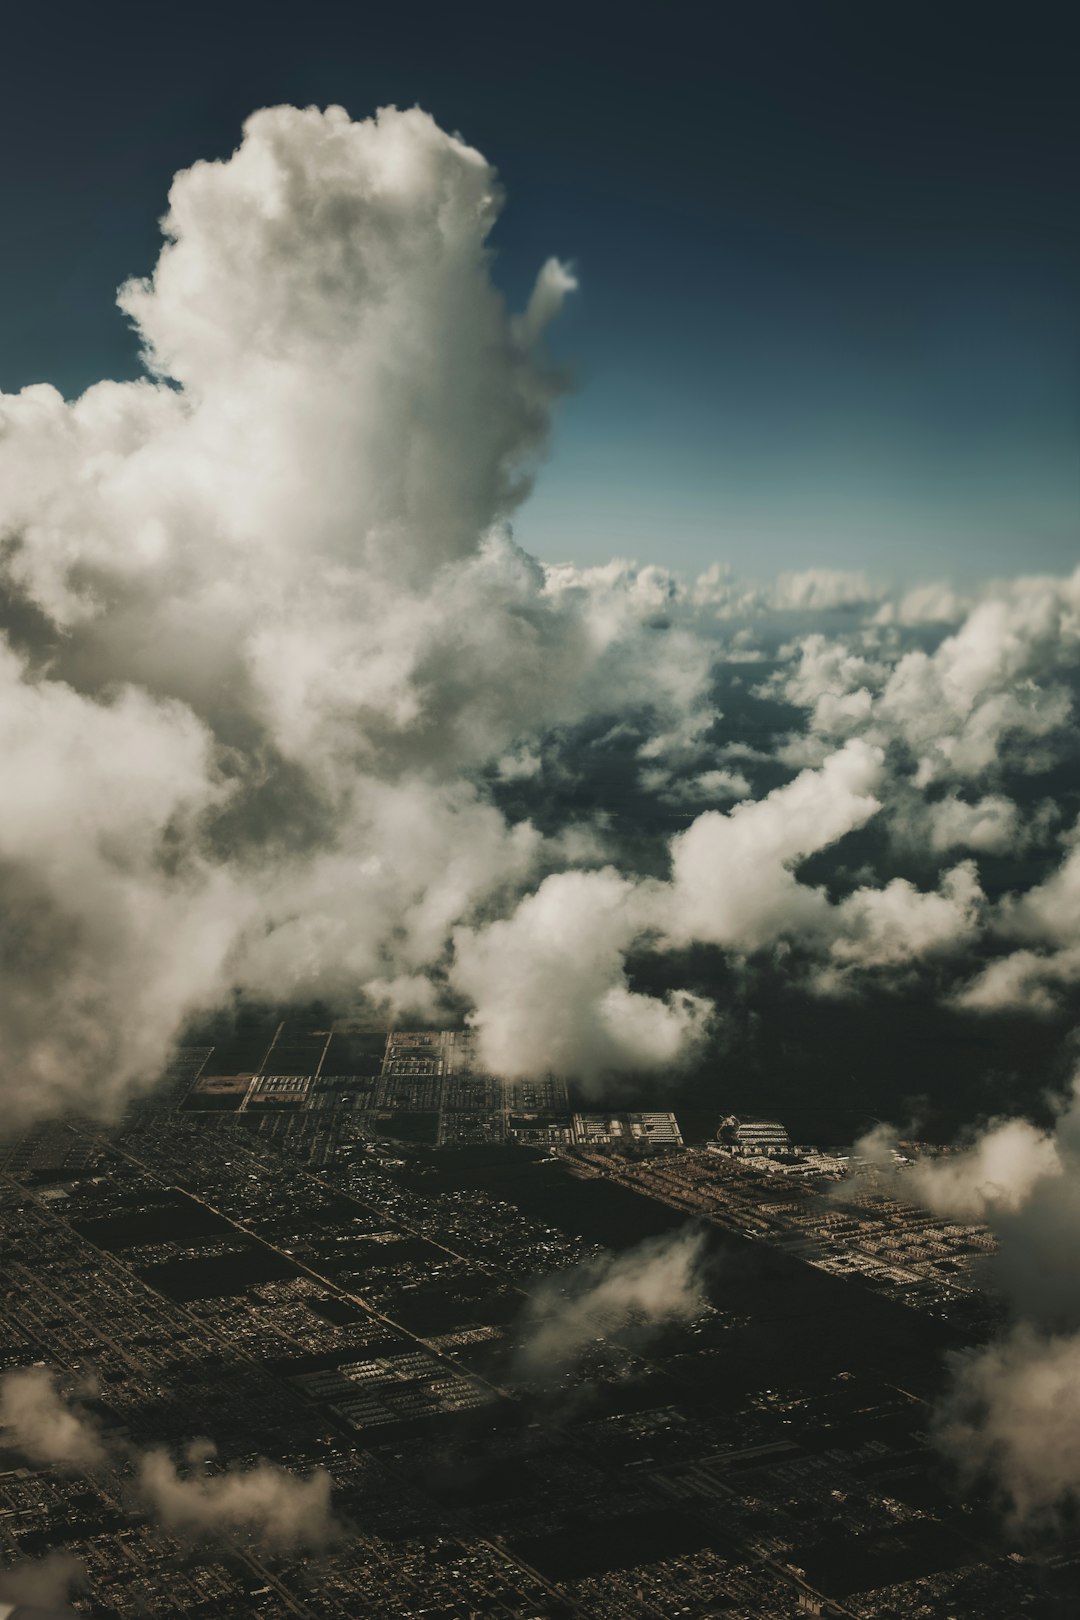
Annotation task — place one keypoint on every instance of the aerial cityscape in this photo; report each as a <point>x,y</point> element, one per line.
<point>489,1354</point>
<point>540,812</point>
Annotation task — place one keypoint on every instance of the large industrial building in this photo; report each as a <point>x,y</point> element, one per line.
<point>752,1138</point>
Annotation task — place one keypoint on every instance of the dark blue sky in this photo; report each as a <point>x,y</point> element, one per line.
<point>829,254</point>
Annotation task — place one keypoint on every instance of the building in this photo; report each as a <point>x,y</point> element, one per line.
<point>650,1129</point>
<point>753,1138</point>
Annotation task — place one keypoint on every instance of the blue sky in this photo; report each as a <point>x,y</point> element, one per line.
<point>828,253</point>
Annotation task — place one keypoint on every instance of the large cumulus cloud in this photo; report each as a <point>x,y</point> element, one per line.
<point>264,616</point>
<point>273,668</point>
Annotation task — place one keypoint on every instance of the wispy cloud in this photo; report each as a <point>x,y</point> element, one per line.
<point>191,1497</point>
<point>630,1296</point>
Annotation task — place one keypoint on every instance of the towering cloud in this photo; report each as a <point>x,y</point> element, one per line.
<point>271,664</point>
<point>261,620</point>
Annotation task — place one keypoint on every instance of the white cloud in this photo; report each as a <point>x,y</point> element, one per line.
<point>937,603</point>
<point>549,984</point>
<point>42,1583</point>
<point>270,631</point>
<point>706,786</point>
<point>1012,1414</point>
<point>732,877</point>
<point>989,694</point>
<point>833,681</point>
<point>891,927</point>
<point>280,621</point>
<point>1024,1182</point>
<point>818,590</point>
<point>275,1507</point>
<point>114,921</point>
<point>991,824</point>
<point>659,1282</point>
<point>45,1427</point>
<point>1046,917</point>
<point>1023,981</point>
<point>550,989</point>
<point>997,1171</point>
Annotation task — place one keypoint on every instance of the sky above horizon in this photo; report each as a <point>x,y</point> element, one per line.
<point>286,716</point>
<point>828,257</point>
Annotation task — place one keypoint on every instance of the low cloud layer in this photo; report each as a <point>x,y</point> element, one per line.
<point>277,1508</point>
<point>631,1296</point>
<point>195,1499</point>
<point>42,1583</point>
<point>993,1176</point>
<point>285,711</point>
<point>1012,1414</point>
<point>44,1427</point>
